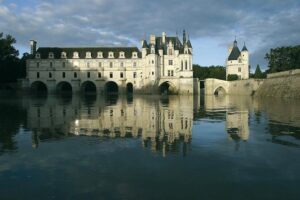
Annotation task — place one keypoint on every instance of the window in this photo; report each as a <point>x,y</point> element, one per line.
<point>51,55</point>
<point>170,62</point>
<point>110,75</point>
<point>111,64</point>
<point>134,54</point>
<point>170,52</point>
<point>75,55</point>
<point>37,55</point>
<point>99,54</point>
<point>152,73</point>
<point>121,55</point>
<point>172,73</point>
<point>88,54</point>
<point>99,74</point>
<point>169,73</point>
<point>134,74</point>
<point>37,64</point>
<point>152,61</point>
<point>75,74</point>
<point>38,74</point>
<point>51,64</point>
<point>64,74</point>
<point>181,65</point>
<point>121,75</point>
<point>134,64</point>
<point>100,64</point>
<point>50,75</point>
<point>239,69</point>
<point>63,55</point>
<point>240,60</point>
<point>63,64</point>
<point>111,54</point>
<point>186,65</point>
<point>88,64</point>
<point>89,74</point>
<point>122,64</point>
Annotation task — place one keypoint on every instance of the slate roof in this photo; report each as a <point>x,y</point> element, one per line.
<point>235,53</point>
<point>44,51</point>
<point>244,48</point>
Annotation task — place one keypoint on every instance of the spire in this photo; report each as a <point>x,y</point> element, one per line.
<point>184,37</point>
<point>235,42</point>
<point>244,47</point>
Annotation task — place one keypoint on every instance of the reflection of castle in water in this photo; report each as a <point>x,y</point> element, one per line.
<point>162,124</point>
<point>236,110</point>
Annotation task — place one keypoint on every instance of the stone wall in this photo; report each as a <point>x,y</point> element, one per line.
<point>284,73</point>
<point>280,86</point>
<point>244,87</point>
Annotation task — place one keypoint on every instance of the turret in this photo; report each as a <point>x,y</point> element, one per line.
<point>33,47</point>
<point>245,53</point>
<point>145,47</point>
<point>163,37</point>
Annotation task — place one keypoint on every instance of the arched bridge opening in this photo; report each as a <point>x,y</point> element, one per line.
<point>88,87</point>
<point>111,88</point>
<point>64,88</point>
<point>167,88</point>
<point>39,87</point>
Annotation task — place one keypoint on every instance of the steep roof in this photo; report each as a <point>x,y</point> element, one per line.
<point>189,44</point>
<point>44,51</point>
<point>244,48</point>
<point>235,53</point>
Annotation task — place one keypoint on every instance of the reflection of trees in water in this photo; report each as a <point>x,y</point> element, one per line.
<point>282,133</point>
<point>12,116</point>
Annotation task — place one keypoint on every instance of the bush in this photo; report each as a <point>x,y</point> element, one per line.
<point>232,77</point>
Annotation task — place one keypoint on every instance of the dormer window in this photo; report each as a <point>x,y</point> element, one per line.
<point>99,54</point>
<point>122,55</point>
<point>152,50</point>
<point>38,55</point>
<point>63,55</point>
<point>75,54</point>
<point>51,55</point>
<point>186,51</point>
<point>134,55</point>
<point>170,52</point>
<point>111,54</point>
<point>88,55</point>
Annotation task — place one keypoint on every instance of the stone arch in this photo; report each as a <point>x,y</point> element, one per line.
<point>64,87</point>
<point>38,87</point>
<point>167,88</point>
<point>111,87</point>
<point>220,91</point>
<point>88,87</point>
<point>129,88</point>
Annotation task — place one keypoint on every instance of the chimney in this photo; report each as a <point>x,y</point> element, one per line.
<point>152,39</point>
<point>32,47</point>
<point>163,37</point>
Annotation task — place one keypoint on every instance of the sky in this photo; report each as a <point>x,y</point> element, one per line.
<point>212,25</point>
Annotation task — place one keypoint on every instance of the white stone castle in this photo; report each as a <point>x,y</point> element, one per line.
<point>237,62</point>
<point>162,66</point>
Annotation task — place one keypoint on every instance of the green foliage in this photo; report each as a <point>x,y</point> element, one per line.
<point>11,67</point>
<point>232,77</point>
<point>202,73</point>
<point>258,73</point>
<point>283,58</point>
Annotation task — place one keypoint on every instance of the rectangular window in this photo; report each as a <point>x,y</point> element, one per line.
<point>64,74</point>
<point>134,74</point>
<point>170,62</point>
<point>240,69</point>
<point>99,74</point>
<point>51,64</point>
<point>38,75</point>
<point>50,75</point>
<point>121,75</point>
<point>89,74</point>
<point>64,64</point>
<point>75,75</point>
<point>87,64</point>
<point>110,64</point>
<point>172,73</point>
<point>134,64</point>
<point>110,75</point>
<point>152,73</point>
<point>37,64</point>
<point>169,73</point>
<point>122,64</point>
<point>100,64</point>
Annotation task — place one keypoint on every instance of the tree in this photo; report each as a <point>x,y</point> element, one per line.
<point>258,73</point>
<point>232,77</point>
<point>11,67</point>
<point>201,72</point>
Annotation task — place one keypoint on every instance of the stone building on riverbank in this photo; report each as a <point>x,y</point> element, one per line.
<point>163,65</point>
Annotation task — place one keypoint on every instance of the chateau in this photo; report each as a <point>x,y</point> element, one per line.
<point>237,62</point>
<point>162,66</point>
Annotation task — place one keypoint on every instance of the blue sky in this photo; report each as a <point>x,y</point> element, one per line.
<point>211,24</point>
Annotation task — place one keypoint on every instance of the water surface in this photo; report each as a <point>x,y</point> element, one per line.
<point>144,147</point>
